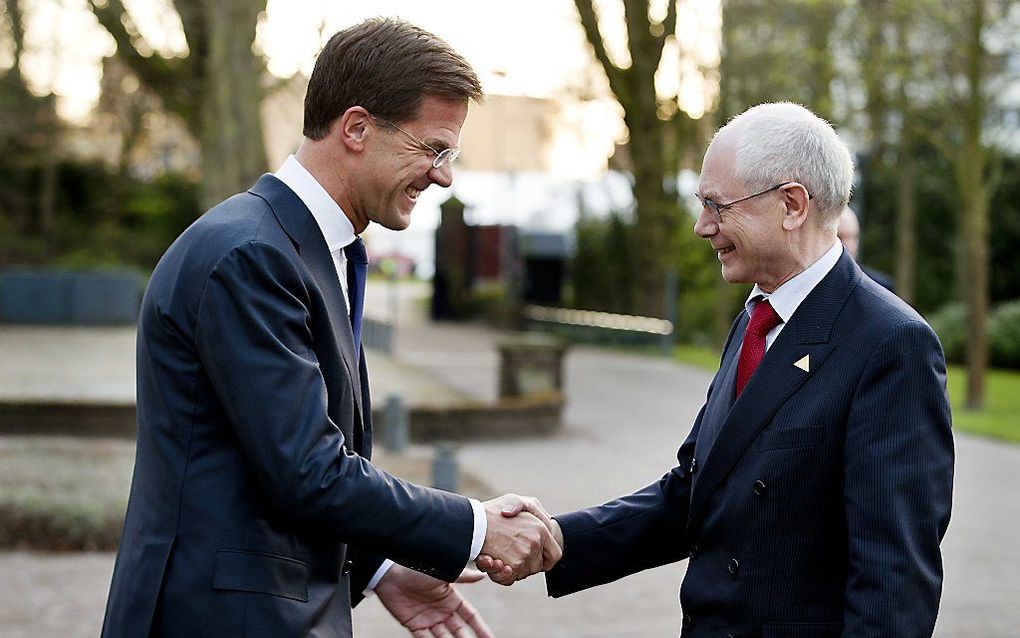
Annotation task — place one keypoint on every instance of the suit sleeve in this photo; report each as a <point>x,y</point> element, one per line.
<point>365,567</point>
<point>630,534</point>
<point>898,487</point>
<point>253,339</point>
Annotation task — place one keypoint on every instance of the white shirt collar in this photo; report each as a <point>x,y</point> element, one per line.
<point>336,228</point>
<point>788,297</point>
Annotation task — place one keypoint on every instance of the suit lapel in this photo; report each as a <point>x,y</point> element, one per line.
<point>727,389</point>
<point>777,378</point>
<point>721,400</point>
<point>300,226</point>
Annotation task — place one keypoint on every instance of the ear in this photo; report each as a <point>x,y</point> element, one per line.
<point>353,128</point>
<point>796,198</point>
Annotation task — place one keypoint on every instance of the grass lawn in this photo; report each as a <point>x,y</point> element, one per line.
<point>1000,419</point>
<point>698,356</point>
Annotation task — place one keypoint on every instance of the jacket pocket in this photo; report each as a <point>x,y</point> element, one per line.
<point>787,438</point>
<point>261,573</point>
<point>802,630</point>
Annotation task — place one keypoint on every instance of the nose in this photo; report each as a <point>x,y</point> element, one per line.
<point>442,175</point>
<point>705,226</point>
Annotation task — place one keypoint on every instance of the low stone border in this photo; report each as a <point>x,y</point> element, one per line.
<point>73,419</point>
<point>505,419</point>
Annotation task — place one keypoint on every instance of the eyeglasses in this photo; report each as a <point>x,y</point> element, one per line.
<point>717,209</point>
<point>442,158</point>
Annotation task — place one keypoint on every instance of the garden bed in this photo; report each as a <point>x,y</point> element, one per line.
<point>70,493</point>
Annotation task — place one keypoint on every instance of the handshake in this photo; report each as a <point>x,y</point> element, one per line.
<point>521,539</point>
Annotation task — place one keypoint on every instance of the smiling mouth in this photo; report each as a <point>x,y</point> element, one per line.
<point>412,193</point>
<point>725,250</point>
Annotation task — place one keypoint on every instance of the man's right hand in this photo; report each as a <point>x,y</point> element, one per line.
<point>520,542</point>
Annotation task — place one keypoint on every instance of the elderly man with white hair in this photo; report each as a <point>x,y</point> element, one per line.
<point>813,491</point>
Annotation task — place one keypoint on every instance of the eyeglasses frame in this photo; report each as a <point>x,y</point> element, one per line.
<point>717,209</point>
<point>443,157</point>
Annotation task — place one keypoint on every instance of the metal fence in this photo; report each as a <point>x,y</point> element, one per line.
<point>51,296</point>
<point>377,334</point>
<point>601,327</point>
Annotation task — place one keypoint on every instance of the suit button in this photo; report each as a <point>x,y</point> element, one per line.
<point>694,465</point>
<point>759,488</point>
<point>733,567</point>
<point>348,565</point>
<point>693,551</point>
<point>687,621</point>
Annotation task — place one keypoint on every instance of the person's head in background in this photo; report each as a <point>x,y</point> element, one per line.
<point>849,231</point>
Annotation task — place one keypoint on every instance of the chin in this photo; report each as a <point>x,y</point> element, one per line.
<point>398,221</point>
<point>735,276</point>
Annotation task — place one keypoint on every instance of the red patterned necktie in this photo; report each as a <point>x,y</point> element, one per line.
<point>763,320</point>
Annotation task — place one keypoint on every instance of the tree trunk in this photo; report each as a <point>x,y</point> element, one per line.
<point>822,70</point>
<point>657,211</point>
<point>975,192</point>
<point>46,213</point>
<point>655,220</point>
<point>976,242</point>
<point>906,218</point>
<point>906,189</point>
<point>216,90</point>
<point>233,151</point>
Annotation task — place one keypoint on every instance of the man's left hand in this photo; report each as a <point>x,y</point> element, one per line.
<point>431,608</point>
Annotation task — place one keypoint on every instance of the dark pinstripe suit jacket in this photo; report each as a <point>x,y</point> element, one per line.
<point>821,506</point>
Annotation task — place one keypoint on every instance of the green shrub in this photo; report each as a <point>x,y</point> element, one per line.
<point>950,324</point>
<point>1004,335</point>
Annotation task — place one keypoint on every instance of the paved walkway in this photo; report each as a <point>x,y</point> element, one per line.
<point>70,365</point>
<point>625,417</point>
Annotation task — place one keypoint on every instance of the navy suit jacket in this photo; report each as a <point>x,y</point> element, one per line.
<point>880,278</point>
<point>819,510</point>
<point>252,486</point>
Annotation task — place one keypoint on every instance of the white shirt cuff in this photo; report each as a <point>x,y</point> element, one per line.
<point>379,573</point>
<point>481,526</point>
<point>477,540</point>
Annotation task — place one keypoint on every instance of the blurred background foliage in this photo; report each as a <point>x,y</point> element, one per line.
<point>925,91</point>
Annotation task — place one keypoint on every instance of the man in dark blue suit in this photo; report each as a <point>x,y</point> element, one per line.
<point>814,489</point>
<point>849,232</point>
<point>254,508</point>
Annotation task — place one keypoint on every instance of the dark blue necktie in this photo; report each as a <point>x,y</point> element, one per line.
<point>357,272</point>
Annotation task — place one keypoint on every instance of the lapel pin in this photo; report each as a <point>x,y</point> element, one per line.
<point>804,363</point>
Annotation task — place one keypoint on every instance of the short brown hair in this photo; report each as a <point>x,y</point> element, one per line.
<point>387,66</point>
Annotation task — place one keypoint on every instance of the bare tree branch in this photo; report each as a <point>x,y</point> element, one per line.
<point>590,23</point>
<point>17,31</point>
<point>170,79</point>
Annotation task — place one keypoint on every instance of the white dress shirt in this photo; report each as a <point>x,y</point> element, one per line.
<point>788,297</point>
<point>338,232</point>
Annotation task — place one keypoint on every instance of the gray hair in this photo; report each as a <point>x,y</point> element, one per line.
<point>780,142</point>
